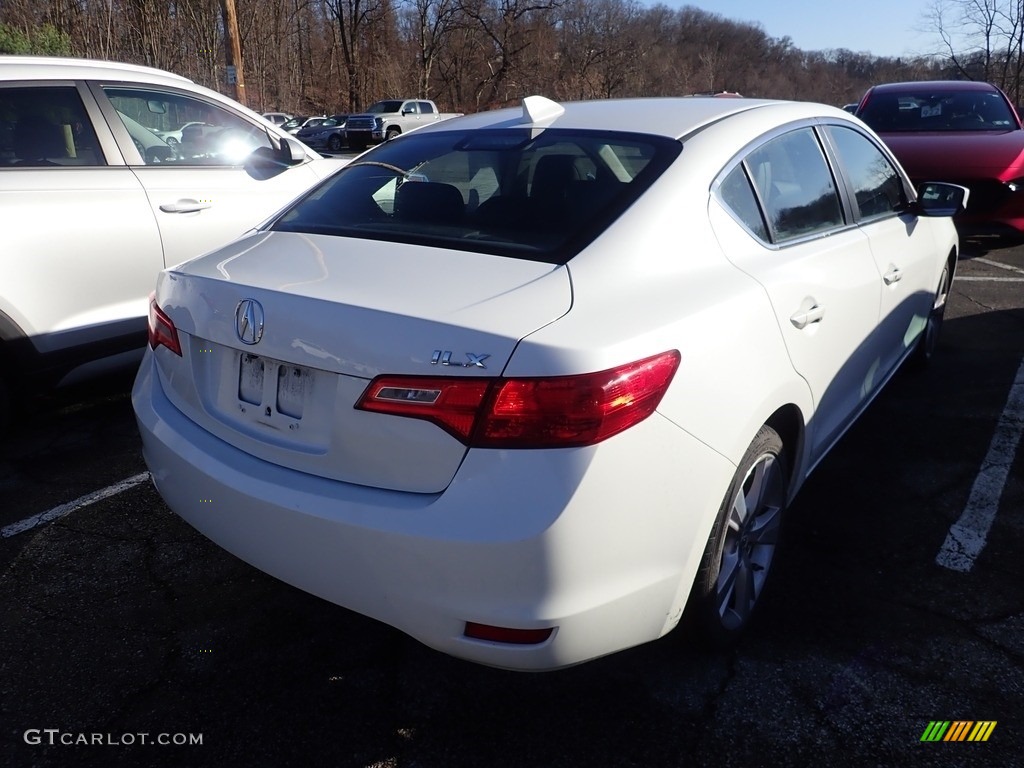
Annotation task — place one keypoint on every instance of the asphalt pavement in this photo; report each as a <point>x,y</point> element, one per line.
<point>127,639</point>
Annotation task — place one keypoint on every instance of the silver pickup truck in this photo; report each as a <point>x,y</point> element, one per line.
<point>389,118</point>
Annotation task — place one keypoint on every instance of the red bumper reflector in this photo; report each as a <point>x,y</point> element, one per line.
<point>506,634</point>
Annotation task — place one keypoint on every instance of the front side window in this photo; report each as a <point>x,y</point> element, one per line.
<point>182,130</point>
<point>795,186</point>
<point>507,192</point>
<point>46,127</point>
<point>877,187</point>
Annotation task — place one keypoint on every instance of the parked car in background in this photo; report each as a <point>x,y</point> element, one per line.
<point>277,118</point>
<point>295,121</point>
<point>108,174</point>
<point>173,137</point>
<point>525,384</point>
<point>328,135</point>
<point>296,124</point>
<point>389,118</point>
<point>959,131</point>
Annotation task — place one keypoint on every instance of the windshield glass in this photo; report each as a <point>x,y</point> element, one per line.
<point>930,110</point>
<point>504,192</point>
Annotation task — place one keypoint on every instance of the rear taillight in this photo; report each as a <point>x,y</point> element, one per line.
<point>161,329</point>
<point>551,412</point>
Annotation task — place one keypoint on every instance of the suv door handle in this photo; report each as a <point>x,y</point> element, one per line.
<point>184,206</point>
<point>894,275</point>
<point>803,319</point>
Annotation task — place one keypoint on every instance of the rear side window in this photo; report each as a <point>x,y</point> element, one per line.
<point>45,127</point>
<point>511,193</point>
<point>795,186</point>
<point>737,193</point>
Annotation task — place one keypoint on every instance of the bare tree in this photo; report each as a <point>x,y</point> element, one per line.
<point>429,25</point>
<point>303,56</point>
<point>505,25</point>
<point>354,18</point>
<point>982,40</point>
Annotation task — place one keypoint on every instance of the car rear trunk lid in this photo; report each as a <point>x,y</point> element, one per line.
<point>282,332</point>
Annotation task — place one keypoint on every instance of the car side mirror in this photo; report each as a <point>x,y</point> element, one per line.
<point>267,162</point>
<point>291,152</point>
<point>938,198</point>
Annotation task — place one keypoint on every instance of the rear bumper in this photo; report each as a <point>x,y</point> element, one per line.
<point>600,544</point>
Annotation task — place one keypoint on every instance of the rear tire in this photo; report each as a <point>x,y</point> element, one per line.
<point>742,544</point>
<point>334,142</point>
<point>929,339</point>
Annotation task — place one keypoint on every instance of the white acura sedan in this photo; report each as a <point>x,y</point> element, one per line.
<point>527,384</point>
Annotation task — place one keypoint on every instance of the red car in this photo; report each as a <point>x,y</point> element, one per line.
<point>964,132</point>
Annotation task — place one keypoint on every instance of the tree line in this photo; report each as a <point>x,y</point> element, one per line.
<point>326,56</point>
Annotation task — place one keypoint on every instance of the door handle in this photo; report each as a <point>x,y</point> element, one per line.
<point>184,206</point>
<point>806,317</point>
<point>894,275</point>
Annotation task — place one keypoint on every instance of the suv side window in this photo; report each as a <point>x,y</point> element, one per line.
<point>877,187</point>
<point>171,128</point>
<point>44,127</point>
<point>795,186</point>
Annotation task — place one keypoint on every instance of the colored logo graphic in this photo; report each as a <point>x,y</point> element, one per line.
<point>958,730</point>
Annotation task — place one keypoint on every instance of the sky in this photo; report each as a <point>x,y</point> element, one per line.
<point>879,27</point>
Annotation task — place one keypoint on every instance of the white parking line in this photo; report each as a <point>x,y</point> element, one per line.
<point>970,278</point>
<point>44,517</point>
<point>999,264</point>
<point>967,536</point>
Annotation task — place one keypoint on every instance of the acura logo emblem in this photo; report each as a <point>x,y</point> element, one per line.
<point>249,321</point>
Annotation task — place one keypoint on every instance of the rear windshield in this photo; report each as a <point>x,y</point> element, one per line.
<point>509,192</point>
<point>936,110</point>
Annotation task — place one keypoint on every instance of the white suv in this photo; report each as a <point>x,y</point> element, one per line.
<point>109,173</point>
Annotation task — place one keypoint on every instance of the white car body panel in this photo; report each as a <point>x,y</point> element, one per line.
<point>313,286</point>
<point>85,240</point>
<point>551,553</point>
<point>101,200</point>
<point>201,208</point>
<point>837,354</point>
<point>396,518</point>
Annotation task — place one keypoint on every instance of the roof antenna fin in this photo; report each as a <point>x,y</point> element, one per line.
<point>538,110</point>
